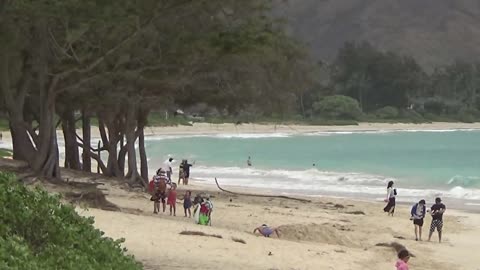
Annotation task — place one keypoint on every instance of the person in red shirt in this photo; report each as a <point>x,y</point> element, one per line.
<point>172,199</point>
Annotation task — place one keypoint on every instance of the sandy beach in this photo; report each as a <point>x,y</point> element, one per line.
<point>323,234</point>
<point>207,129</point>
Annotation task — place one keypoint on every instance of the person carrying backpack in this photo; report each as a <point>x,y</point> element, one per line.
<point>418,214</point>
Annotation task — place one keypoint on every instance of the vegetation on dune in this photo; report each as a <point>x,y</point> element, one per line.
<point>38,232</point>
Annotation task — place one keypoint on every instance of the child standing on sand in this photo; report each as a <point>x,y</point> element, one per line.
<point>403,257</point>
<point>187,203</point>
<point>172,199</point>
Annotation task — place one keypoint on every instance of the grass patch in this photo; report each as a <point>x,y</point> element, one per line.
<point>4,124</point>
<point>197,233</point>
<point>157,119</point>
<point>5,153</point>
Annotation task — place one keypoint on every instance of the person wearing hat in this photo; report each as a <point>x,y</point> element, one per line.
<point>437,211</point>
<point>418,214</point>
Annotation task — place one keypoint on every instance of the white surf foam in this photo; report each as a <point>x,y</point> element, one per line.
<point>314,182</point>
<point>333,132</point>
<point>219,136</point>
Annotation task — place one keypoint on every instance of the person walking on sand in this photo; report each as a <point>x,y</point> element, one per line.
<point>187,203</point>
<point>418,214</point>
<point>403,258</point>
<point>390,200</point>
<point>266,231</point>
<point>437,211</point>
<point>172,199</point>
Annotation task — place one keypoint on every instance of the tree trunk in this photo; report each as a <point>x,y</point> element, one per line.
<point>112,163</point>
<point>302,106</point>
<point>122,156</point>
<point>39,150</point>
<point>131,138</point>
<point>72,159</point>
<point>86,132</point>
<point>143,154</point>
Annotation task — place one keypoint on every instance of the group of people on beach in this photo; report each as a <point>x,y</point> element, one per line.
<point>164,192</point>
<point>417,214</point>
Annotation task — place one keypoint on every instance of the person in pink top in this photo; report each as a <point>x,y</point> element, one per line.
<point>403,257</point>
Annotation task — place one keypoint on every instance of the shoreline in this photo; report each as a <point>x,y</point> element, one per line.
<point>270,128</point>
<point>456,204</point>
<point>209,129</point>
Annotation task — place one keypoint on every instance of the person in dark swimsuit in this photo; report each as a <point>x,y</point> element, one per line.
<point>186,171</point>
<point>266,231</point>
<point>187,203</point>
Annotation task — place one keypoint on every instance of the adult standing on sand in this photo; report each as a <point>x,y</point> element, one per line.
<point>186,171</point>
<point>437,211</point>
<point>162,189</point>
<point>390,200</point>
<point>168,167</point>
<point>418,214</point>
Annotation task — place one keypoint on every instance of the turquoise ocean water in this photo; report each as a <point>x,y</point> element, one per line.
<point>423,164</point>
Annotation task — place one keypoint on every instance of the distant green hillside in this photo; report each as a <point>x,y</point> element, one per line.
<point>435,32</point>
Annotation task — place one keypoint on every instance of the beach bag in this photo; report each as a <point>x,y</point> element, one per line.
<point>395,191</point>
<point>151,187</point>
<point>203,219</point>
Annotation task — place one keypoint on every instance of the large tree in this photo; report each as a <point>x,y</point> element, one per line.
<point>117,60</point>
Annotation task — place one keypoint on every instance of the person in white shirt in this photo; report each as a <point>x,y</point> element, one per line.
<point>168,168</point>
<point>390,200</point>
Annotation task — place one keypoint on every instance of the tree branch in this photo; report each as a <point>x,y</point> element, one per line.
<point>102,58</point>
<point>99,161</point>
<point>82,143</point>
<point>263,196</point>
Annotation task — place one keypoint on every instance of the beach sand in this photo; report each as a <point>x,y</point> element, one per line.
<point>204,128</point>
<point>208,129</point>
<point>326,233</point>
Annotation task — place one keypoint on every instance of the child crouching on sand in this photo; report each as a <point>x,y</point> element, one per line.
<point>403,257</point>
<point>172,199</point>
<point>187,203</point>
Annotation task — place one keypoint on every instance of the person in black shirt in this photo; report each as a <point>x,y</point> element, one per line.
<point>437,211</point>
<point>186,171</point>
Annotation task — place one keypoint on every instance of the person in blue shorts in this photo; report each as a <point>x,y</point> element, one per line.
<point>266,231</point>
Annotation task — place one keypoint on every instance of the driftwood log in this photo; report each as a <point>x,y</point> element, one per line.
<point>261,195</point>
